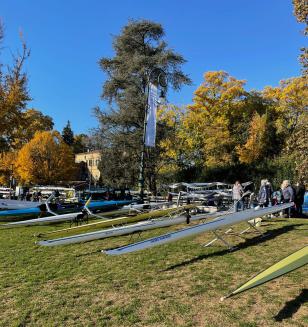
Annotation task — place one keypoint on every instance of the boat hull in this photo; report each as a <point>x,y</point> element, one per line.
<point>221,222</point>
<point>28,213</point>
<point>124,230</point>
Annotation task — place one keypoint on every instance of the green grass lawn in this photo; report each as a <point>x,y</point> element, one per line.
<point>177,284</point>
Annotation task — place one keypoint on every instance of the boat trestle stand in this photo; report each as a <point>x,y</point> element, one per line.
<point>219,237</point>
<point>254,226</point>
<point>47,204</point>
<point>138,232</point>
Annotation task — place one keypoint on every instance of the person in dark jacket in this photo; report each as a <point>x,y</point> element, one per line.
<point>269,192</point>
<point>299,197</point>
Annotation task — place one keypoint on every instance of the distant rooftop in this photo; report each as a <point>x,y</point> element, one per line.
<point>89,152</point>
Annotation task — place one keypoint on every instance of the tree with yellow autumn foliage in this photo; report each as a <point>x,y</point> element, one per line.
<point>228,129</point>
<point>255,147</point>
<point>209,128</point>
<point>14,95</point>
<point>290,103</point>
<point>17,123</point>
<point>46,159</point>
<point>7,167</point>
<point>30,122</point>
<point>174,152</point>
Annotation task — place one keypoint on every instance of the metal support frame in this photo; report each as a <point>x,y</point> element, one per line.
<point>47,204</point>
<point>253,225</point>
<point>170,216</point>
<point>133,234</point>
<point>219,237</point>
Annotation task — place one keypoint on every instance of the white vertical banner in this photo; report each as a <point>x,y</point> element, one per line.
<point>150,134</point>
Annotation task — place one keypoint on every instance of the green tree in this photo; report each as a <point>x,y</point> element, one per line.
<point>297,148</point>
<point>68,134</point>
<point>79,144</point>
<point>138,50</point>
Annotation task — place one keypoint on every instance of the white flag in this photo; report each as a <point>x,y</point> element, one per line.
<point>150,134</point>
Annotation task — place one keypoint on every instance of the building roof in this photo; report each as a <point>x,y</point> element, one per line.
<point>88,152</point>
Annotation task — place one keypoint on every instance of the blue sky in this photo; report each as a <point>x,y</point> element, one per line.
<point>256,40</point>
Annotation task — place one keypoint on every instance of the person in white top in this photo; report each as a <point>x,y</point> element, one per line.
<point>237,194</point>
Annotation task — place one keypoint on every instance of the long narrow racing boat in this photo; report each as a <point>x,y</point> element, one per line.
<point>221,222</point>
<point>119,221</point>
<point>28,213</point>
<point>74,215</point>
<point>8,204</point>
<point>129,229</point>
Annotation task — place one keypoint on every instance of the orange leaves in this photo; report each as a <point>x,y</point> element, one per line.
<point>290,101</point>
<point>7,166</point>
<point>256,143</point>
<point>170,115</point>
<point>209,119</point>
<point>203,134</point>
<point>217,89</point>
<point>227,125</point>
<point>46,159</point>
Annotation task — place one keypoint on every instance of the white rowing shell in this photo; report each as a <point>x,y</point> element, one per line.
<point>226,220</point>
<point>17,204</point>
<point>44,220</point>
<point>117,231</point>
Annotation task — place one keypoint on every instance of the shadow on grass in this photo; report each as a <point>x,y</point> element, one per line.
<point>88,253</point>
<point>291,307</point>
<point>248,242</point>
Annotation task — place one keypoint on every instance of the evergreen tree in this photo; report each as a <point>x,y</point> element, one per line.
<point>67,134</point>
<point>138,50</point>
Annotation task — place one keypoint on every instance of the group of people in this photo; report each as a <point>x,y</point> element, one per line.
<point>267,196</point>
<point>34,197</point>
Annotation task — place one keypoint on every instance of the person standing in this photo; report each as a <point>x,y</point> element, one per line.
<point>277,197</point>
<point>269,192</point>
<point>237,194</point>
<point>287,194</point>
<point>264,194</point>
<point>299,197</point>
